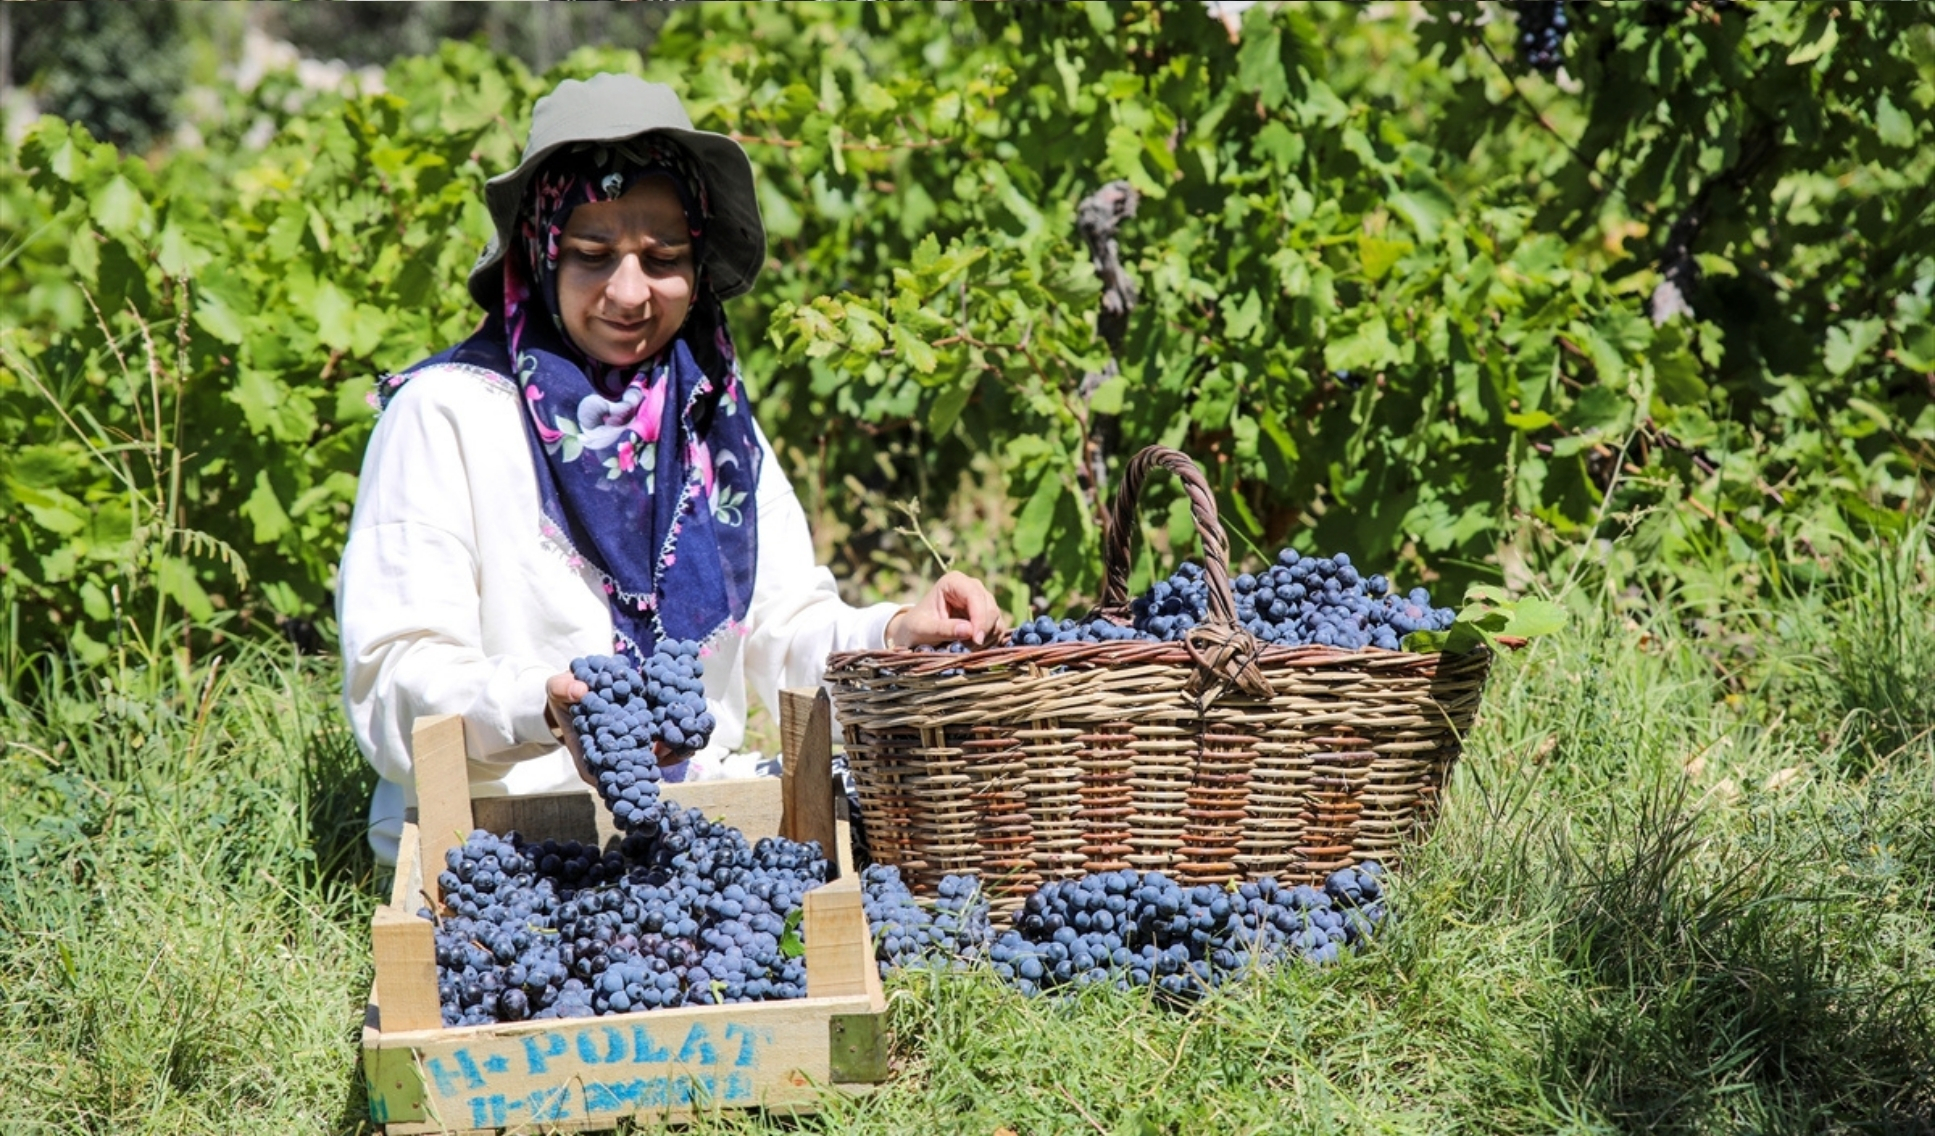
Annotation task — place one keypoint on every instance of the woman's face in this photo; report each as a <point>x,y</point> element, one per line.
<point>626,273</point>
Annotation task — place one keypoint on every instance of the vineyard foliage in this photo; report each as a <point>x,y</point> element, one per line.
<point>1401,295</point>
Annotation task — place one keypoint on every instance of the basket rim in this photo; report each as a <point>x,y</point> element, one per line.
<point>1081,656</point>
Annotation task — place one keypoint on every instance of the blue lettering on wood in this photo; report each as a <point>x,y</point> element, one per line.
<point>624,1096</point>
<point>748,1041</point>
<point>446,1082</point>
<point>551,1104</point>
<point>497,1110</point>
<point>698,1044</point>
<point>602,1096</point>
<point>460,1070</point>
<point>472,1078</point>
<point>611,1098</point>
<point>614,1046</point>
<point>644,1051</point>
<point>554,1047</point>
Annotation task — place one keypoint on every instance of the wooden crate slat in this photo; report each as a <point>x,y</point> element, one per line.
<point>659,1063</point>
<point>839,945</point>
<point>843,842</point>
<point>806,727</point>
<point>568,815</point>
<point>443,787</point>
<point>407,892</point>
<point>753,805</point>
<point>406,970</point>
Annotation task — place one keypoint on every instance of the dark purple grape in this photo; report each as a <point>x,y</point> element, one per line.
<point>1296,601</point>
<point>1542,27</point>
<point>1127,929</point>
<point>683,912</point>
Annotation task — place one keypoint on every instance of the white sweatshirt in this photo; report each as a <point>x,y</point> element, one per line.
<point>451,601</point>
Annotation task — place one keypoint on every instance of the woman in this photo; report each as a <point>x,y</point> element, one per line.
<point>584,475</point>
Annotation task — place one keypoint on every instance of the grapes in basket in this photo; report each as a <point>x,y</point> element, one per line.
<point>1296,601</point>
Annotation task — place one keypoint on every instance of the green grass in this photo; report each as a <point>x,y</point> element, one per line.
<point>182,901</point>
<point>1684,882</point>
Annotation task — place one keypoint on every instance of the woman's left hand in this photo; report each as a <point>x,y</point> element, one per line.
<point>958,608</point>
<point>563,691</point>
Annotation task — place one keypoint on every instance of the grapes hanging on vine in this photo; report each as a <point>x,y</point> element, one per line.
<point>1542,27</point>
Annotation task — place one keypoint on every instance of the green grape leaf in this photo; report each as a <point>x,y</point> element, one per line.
<point>791,944</point>
<point>120,209</point>
<point>1491,615</point>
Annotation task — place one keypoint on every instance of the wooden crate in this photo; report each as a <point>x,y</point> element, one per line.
<point>588,1073</point>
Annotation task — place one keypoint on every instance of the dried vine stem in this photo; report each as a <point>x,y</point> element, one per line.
<point>1679,272</point>
<point>1097,218</point>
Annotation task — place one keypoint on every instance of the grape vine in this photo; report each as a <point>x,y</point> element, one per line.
<point>1328,264</point>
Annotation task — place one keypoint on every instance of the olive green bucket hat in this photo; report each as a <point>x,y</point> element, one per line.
<point>605,108</point>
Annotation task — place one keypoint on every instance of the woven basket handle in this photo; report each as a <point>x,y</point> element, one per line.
<point>1119,535</point>
<point>1224,650</point>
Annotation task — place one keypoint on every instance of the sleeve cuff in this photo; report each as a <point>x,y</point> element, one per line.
<point>874,621</point>
<point>527,708</point>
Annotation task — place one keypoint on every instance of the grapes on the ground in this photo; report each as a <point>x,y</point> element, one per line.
<point>906,932</point>
<point>1126,929</point>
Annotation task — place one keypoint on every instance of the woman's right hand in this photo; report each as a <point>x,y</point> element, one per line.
<point>957,609</point>
<point>561,693</point>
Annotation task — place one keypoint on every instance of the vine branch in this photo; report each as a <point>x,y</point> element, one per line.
<point>1539,116</point>
<point>1679,272</point>
<point>1097,218</point>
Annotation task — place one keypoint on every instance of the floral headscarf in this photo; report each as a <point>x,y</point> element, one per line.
<point>647,474</point>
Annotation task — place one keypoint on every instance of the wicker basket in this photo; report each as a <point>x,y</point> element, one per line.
<point>1210,759</point>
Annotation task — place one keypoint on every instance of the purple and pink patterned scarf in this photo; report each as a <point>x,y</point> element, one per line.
<point>648,474</point>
